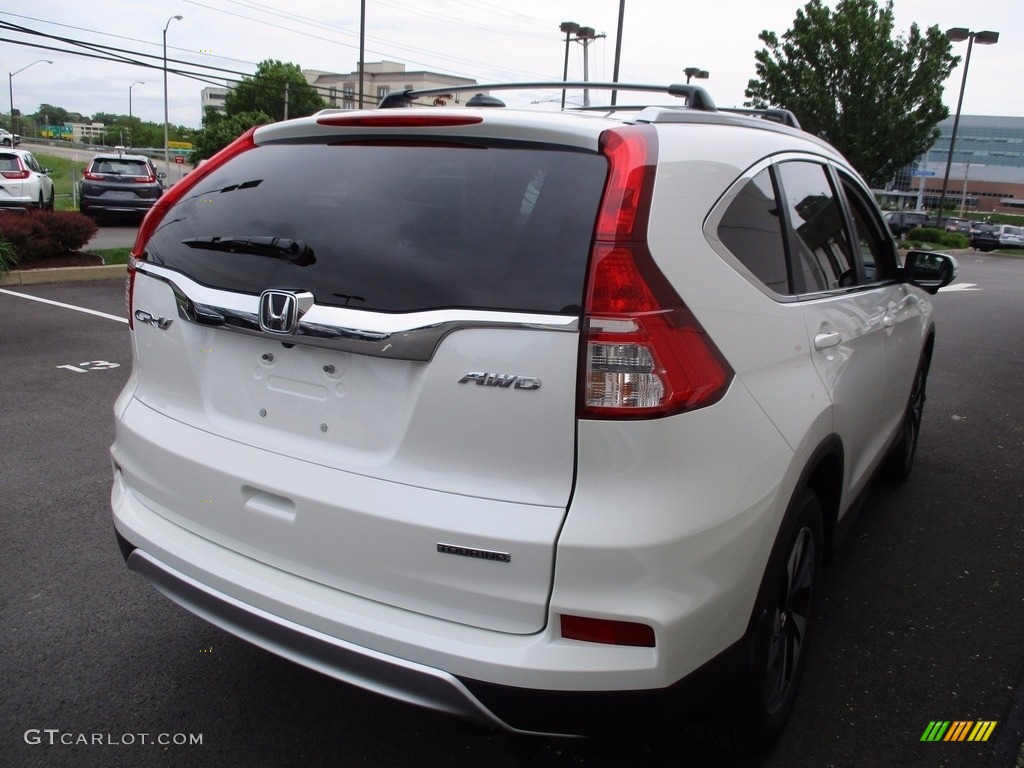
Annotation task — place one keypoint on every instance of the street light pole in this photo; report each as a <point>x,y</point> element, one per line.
<point>957,35</point>
<point>10,86</point>
<point>137,82</point>
<point>167,153</point>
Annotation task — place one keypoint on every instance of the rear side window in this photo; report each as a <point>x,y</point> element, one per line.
<point>752,231</point>
<point>394,226</point>
<point>823,259</point>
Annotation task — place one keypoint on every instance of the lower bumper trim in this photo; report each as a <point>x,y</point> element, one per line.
<point>397,678</point>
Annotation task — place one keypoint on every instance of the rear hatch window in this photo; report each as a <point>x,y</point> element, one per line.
<point>393,226</point>
<point>120,167</point>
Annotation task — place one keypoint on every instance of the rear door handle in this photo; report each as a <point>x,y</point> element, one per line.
<point>826,340</point>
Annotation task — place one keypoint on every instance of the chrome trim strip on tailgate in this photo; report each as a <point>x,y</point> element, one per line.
<point>388,675</point>
<point>411,336</point>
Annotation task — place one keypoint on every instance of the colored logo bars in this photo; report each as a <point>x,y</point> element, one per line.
<point>958,730</point>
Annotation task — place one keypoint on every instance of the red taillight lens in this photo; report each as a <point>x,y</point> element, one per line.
<point>93,176</point>
<point>645,354</point>
<point>144,179</point>
<point>607,631</point>
<point>23,174</point>
<point>129,294</point>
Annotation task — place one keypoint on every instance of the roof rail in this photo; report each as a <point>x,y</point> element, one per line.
<point>775,115</point>
<point>696,97</point>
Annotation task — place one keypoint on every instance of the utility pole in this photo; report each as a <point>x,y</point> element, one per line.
<point>286,84</point>
<point>618,49</point>
<point>586,36</point>
<point>362,48</point>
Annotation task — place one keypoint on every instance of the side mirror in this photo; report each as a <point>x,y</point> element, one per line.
<point>161,175</point>
<point>929,270</point>
<point>47,171</point>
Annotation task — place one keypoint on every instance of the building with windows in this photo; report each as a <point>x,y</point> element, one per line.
<point>342,90</point>
<point>213,97</point>
<point>379,79</point>
<point>986,173</point>
<point>89,133</point>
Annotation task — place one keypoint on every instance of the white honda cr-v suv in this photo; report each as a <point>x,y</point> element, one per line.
<point>542,418</point>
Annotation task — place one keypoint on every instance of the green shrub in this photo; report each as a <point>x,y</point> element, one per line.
<point>8,256</point>
<point>44,234</point>
<point>937,236</point>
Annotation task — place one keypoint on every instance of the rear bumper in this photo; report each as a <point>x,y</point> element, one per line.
<point>715,686</point>
<point>400,679</point>
<point>120,206</point>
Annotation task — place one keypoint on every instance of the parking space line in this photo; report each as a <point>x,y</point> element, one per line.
<point>65,306</point>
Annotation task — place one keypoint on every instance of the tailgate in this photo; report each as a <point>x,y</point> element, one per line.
<point>389,412</point>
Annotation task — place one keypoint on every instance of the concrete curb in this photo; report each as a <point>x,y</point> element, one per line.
<point>63,275</point>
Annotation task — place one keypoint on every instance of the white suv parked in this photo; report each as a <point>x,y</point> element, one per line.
<point>545,419</point>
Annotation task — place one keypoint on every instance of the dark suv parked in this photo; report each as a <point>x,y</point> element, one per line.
<point>119,183</point>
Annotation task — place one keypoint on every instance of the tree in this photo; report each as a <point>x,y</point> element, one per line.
<point>219,130</point>
<point>265,92</point>
<point>876,98</point>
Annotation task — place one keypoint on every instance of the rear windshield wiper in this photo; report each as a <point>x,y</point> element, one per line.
<point>295,251</point>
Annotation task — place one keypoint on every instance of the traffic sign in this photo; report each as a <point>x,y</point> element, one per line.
<point>922,173</point>
<point>179,158</point>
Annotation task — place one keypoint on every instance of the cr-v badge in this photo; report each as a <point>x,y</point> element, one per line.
<point>157,322</point>
<point>503,380</point>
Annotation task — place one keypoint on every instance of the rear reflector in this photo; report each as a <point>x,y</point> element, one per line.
<point>607,631</point>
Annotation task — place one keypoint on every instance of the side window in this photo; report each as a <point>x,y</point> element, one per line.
<point>752,231</point>
<point>823,259</point>
<point>876,249</point>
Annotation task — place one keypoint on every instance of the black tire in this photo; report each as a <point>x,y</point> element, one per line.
<point>53,199</point>
<point>900,461</point>
<point>41,205</point>
<point>784,619</point>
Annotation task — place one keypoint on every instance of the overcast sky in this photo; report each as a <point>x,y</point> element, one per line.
<point>486,40</point>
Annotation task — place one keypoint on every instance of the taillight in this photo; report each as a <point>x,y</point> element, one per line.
<point>93,176</point>
<point>144,179</point>
<point>645,354</point>
<point>163,204</point>
<point>22,174</point>
<point>607,631</point>
<point>129,294</point>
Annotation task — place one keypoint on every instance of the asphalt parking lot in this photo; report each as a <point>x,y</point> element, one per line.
<point>921,617</point>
